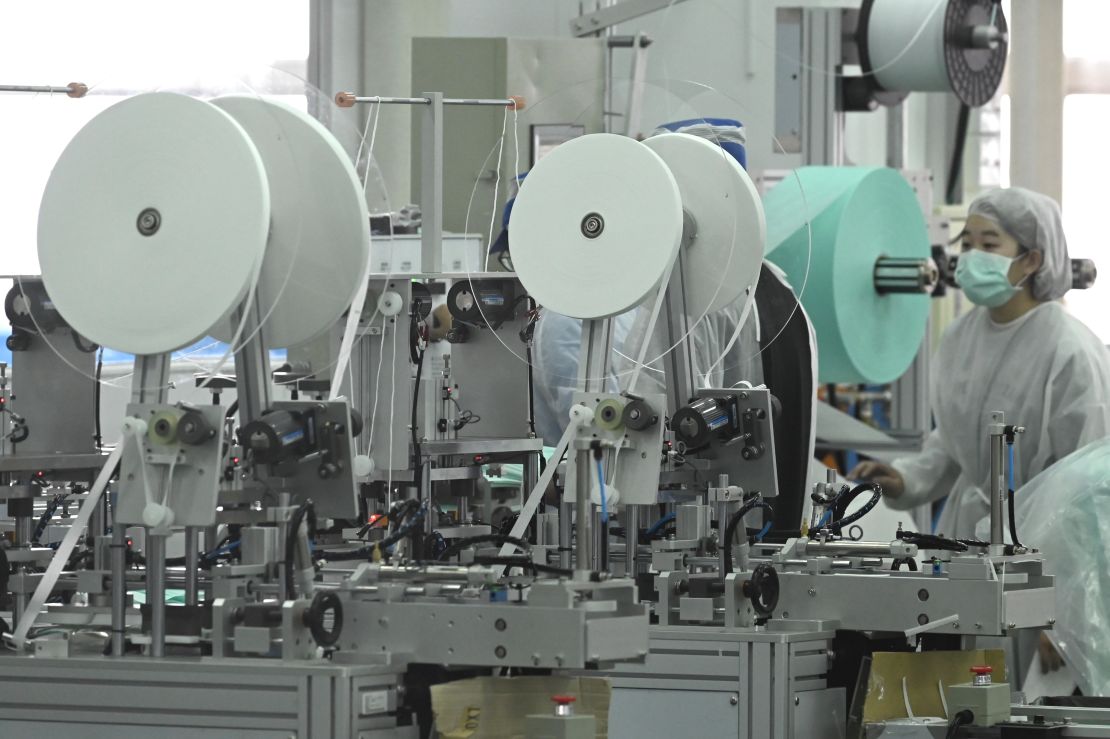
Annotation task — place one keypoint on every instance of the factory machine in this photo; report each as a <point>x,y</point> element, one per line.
<point>340,550</point>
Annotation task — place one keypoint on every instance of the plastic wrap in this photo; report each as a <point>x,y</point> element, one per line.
<point>1065,513</point>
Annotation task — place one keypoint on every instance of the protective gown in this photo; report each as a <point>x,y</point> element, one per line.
<point>1045,370</point>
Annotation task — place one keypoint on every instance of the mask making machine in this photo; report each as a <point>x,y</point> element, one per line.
<point>287,627</point>
<point>294,623</point>
<point>747,635</point>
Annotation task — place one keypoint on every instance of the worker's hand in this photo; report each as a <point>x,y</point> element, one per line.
<point>889,478</point>
<point>1051,660</point>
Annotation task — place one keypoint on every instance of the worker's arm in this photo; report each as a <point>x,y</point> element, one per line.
<point>912,481</point>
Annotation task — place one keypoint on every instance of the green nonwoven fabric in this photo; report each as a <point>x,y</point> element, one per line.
<point>855,216</point>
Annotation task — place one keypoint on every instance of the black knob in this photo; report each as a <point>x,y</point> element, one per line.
<point>323,602</point>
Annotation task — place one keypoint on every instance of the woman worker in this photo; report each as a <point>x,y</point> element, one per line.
<point>1018,351</point>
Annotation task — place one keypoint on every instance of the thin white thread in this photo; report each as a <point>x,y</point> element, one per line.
<point>169,481</point>
<point>496,188</point>
<point>377,378</point>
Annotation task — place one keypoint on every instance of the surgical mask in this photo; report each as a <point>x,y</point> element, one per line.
<point>985,278</point>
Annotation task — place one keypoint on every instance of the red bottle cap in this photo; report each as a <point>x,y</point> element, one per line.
<point>564,700</point>
<point>982,669</point>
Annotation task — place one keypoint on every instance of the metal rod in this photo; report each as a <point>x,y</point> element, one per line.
<point>98,527</point>
<point>431,184</point>
<point>156,591</point>
<point>583,513</point>
<point>192,534</point>
<point>252,363</point>
<point>998,486</point>
<point>631,538</point>
<point>349,99</point>
<point>600,562</point>
<point>854,548</point>
<point>73,89</point>
<point>566,510</point>
<point>119,586</point>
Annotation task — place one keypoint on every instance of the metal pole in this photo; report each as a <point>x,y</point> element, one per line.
<point>583,513</point>
<point>998,486</point>
<point>431,184</point>
<point>600,561</point>
<point>73,89</point>
<point>98,527</point>
<point>119,586</point>
<point>430,518</point>
<point>192,554</point>
<point>631,538</point>
<point>252,364</point>
<point>349,99</point>
<point>156,591</point>
<point>566,511</point>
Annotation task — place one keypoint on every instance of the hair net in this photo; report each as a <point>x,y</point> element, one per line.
<point>1035,221</point>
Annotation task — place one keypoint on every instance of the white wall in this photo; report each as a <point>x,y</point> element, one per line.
<point>716,55</point>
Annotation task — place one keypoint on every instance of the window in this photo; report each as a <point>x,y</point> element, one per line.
<point>118,49</point>
<point>124,47</point>
<point>1086,156</point>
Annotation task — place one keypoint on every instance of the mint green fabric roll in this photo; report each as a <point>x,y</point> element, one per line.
<point>856,214</point>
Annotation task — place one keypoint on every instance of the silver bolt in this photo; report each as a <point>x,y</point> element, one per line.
<point>1051,622</point>
<point>734,700</point>
<point>1011,625</point>
<point>797,700</point>
<point>812,592</point>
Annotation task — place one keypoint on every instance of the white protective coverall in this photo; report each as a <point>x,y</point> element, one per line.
<point>557,344</point>
<point>1045,370</point>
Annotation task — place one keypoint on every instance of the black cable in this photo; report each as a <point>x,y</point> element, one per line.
<point>232,409</point>
<point>522,562</point>
<point>840,505</point>
<point>401,511</point>
<point>956,166</point>
<point>416,354</point>
<point>932,541</point>
<point>909,562</point>
<point>83,348</point>
<point>465,417</point>
<point>461,544</point>
<point>734,522</point>
<point>1013,523</point>
<point>5,573</point>
<point>292,532</point>
<point>526,336</point>
<point>961,719</point>
<point>368,550</point>
<point>44,519</point>
<point>98,437</point>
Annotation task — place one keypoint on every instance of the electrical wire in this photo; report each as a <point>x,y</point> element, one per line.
<point>734,522</point>
<point>499,539</point>
<point>98,438</point>
<point>305,510</point>
<point>961,719</point>
<point>841,502</point>
<point>955,168</point>
<point>656,527</point>
<point>528,564</point>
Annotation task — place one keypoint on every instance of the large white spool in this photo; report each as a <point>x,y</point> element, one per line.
<point>596,224</point>
<point>319,240</point>
<point>153,223</point>
<point>926,46</point>
<point>723,255</point>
